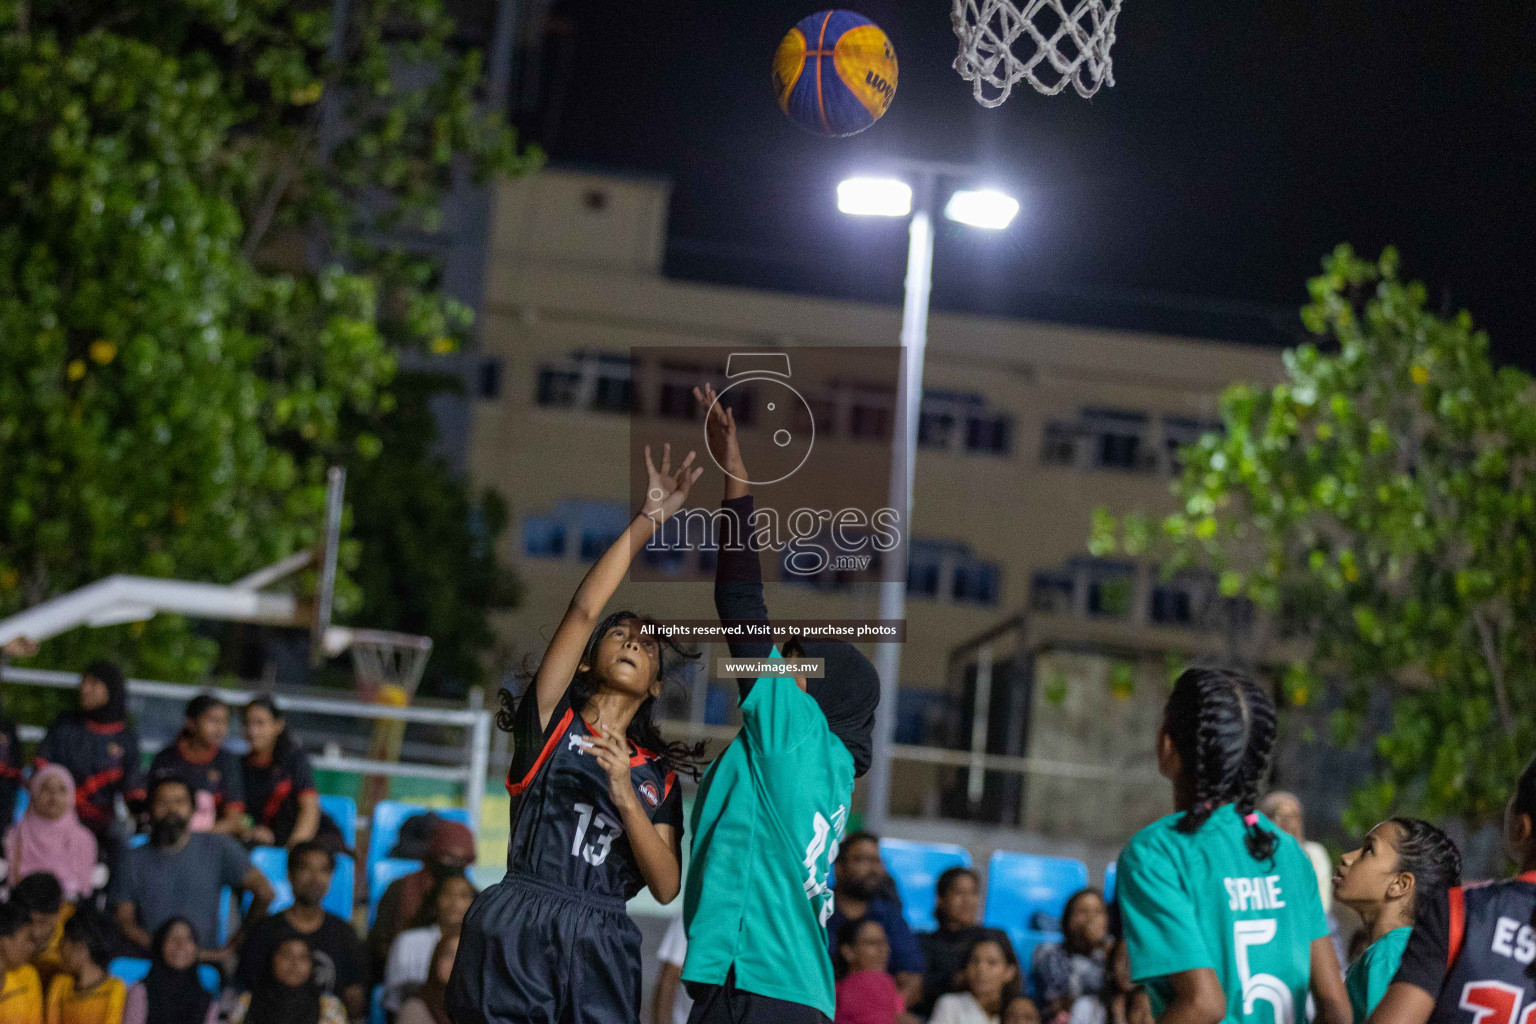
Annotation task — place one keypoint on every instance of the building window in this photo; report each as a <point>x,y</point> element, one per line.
<point>936,429</point>
<point>1181,432</point>
<point>1060,445</point>
<point>1053,592</point>
<point>1119,439</point>
<point>991,434</point>
<point>925,569</point>
<point>976,582</point>
<point>676,399</point>
<point>543,537</point>
<point>1111,588</point>
<point>599,381</point>
<point>488,382</point>
<point>949,420</point>
<point>870,416</point>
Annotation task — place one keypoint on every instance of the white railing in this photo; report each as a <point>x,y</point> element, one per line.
<point>476,723</point>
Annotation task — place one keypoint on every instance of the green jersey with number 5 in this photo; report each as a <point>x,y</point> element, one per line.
<point>1201,900</point>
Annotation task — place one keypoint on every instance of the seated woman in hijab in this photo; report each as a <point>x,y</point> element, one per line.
<point>50,838</point>
<point>288,992</point>
<point>172,991</point>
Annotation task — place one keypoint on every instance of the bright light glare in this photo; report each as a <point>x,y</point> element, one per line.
<point>982,209</point>
<point>875,197</point>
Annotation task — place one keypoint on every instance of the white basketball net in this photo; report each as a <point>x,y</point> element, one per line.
<point>1041,41</point>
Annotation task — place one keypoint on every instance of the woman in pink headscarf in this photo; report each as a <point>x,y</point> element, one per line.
<point>49,836</point>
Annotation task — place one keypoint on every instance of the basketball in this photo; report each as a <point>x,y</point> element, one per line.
<point>835,73</point>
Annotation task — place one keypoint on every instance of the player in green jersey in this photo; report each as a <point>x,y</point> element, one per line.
<point>1220,908</point>
<point>770,812</point>
<point>1403,865</point>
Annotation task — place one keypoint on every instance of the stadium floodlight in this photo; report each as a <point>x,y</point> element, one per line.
<point>983,208</point>
<point>874,197</point>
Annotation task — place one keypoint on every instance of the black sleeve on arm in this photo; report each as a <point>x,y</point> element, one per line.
<point>1424,960</point>
<point>739,582</point>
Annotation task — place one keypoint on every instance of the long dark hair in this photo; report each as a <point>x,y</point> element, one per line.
<point>847,935</point>
<point>1430,856</point>
<point>947,882</point>
<point>197,707</point>
<point>1223,725</point>
<point>116,707</point>
<point>1066,917</point>
<point>284,743</point>
<point>643,731</point>
<point>86,927</point>
<point>1011,989</point>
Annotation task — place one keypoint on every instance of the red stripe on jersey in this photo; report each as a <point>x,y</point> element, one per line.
<point>275,801</point>
<point>105,728</point>
<point>516,789</point>
<point>667,789</point>
<point>1458,932</point>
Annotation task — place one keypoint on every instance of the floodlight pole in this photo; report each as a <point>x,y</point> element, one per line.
<point>893,586</point>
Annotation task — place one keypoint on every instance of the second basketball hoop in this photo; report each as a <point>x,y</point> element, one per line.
<point>1049,43</point>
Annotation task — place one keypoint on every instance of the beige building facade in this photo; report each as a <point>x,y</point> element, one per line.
<point>1027,428</point>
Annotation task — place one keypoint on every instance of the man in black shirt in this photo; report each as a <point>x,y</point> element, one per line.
<point>340,963</point>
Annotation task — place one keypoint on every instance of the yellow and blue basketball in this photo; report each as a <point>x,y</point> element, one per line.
<point>835,73</point>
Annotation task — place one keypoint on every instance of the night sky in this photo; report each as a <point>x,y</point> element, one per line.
<point>1240,143</point>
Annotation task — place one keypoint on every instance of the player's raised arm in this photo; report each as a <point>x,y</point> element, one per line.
<point>738,568</point>
<point>665,491</point>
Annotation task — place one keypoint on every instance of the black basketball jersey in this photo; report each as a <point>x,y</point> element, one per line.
<point>1479,943</point>
<point>565,827</point>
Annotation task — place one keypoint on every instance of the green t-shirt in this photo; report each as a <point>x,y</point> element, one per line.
<point>1201,900</point>
<point>766,823</point>
<point>1370,975</point>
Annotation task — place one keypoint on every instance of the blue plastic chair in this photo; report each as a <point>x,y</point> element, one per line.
<point>272,861</point>
<point>381,874</point>
<point>389,815</point>
<point>1022,885</point>
<point>22,799</point>
<point>376,1014</point>
<point>343,811</point>
<point>915,868</point>
<point>1110,871</point>
<point>133,970</point>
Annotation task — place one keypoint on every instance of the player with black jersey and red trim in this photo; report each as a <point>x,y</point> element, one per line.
<point>101,750</point>
<point>1472,956</point>
<point>596,809</point>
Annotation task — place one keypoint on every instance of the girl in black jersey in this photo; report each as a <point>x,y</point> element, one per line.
<point>280,793</point>
<point>212,773</point>
<point>1472,956</point>
<point>596,810</point>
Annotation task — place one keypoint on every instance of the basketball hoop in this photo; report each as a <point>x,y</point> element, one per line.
<point>1055,47</point>
<point>388,665</point>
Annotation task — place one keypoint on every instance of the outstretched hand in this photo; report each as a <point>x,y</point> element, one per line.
<point>19,647</point>
<point>720,430</point>
<point>665,489</point>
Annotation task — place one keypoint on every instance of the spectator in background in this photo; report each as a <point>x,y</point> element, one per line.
<point>42,898</point>
<point>450,852</point>
<point>212,773</point>
<point>866,992</point>
<point>172,991</point>
<point>340,962</point>
<point>1073,968</point>
<point>410,956</point>
<point>430,1003</point>
<point>287,992</point>
<point>101,751</point>
<point>957,909</point>
<point>1122,1001</point>
<point>279,785</point>
<point>84,993</point>
<point>991,983</point>
<point>10,747</point>
<point>50,838</point>
<point>864,890</point>
<point>670,1001</point>
<point>1022,1010</point>
<point>1284,809</point>
<point>21,997</point>
<point>179,873</point>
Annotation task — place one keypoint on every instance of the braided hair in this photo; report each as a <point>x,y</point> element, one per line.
<point>1223,725</point>
<point>1430,856</point>
<point>643,730</point>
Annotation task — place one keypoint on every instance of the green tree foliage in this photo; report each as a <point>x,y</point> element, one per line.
<point>424,571</point>
<point>1380,501</point>
<point>190,300</point>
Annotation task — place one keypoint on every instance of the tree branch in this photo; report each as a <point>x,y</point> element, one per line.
<point>267,212</point>
<point>1496,670</point>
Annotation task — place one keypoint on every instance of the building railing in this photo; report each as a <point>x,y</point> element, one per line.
<point>471,773</point>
